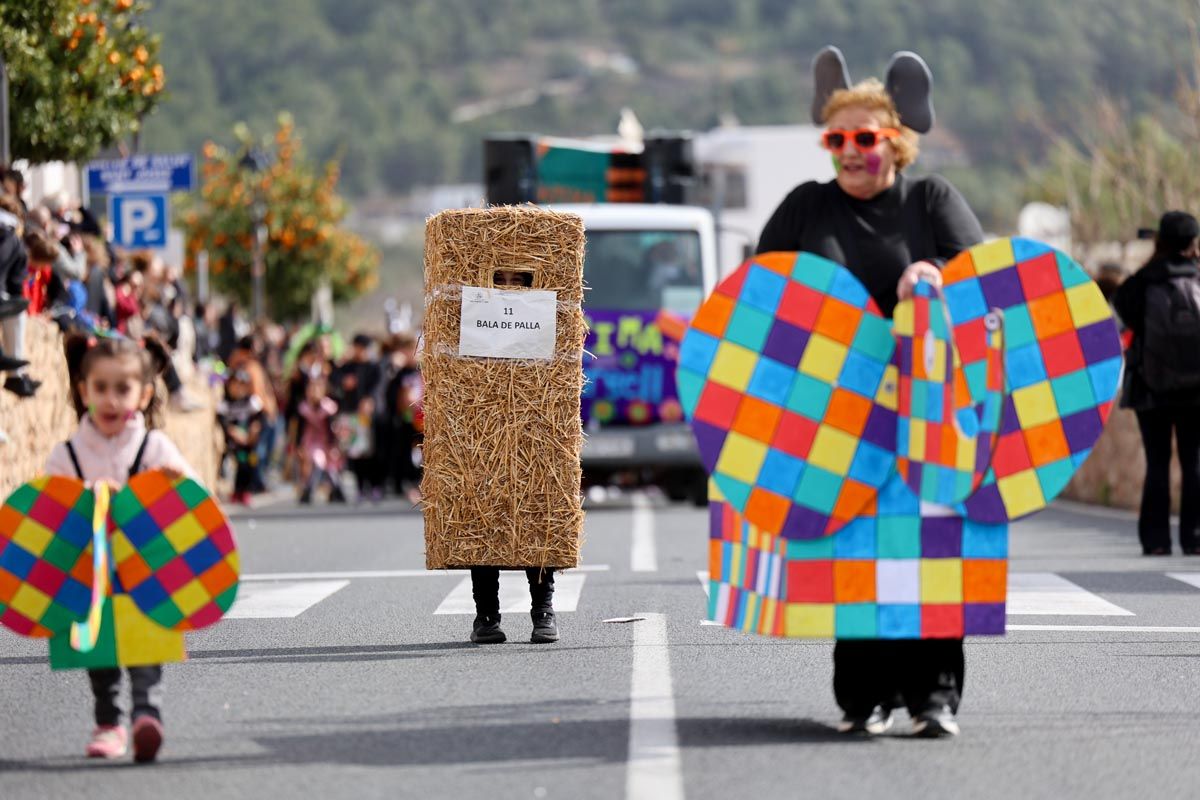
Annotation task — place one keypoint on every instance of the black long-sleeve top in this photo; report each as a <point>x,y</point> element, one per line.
<point>877,239</point>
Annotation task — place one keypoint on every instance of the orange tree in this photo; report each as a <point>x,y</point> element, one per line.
<point>301,210</point>
<point>82,74</point>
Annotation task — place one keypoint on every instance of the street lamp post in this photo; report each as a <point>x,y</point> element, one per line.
<point>253,162</point>
<point>5,155</point>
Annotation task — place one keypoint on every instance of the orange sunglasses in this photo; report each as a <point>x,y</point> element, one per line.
<point>836,139</point>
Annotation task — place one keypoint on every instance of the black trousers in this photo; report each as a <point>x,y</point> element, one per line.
<point>915,673</point>
<point>485,588</point>
<point>1154,522</point>
<point>146,683</point>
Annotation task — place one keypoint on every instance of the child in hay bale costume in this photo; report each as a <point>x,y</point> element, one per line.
<point>116,550</point>
<point>503,370</point>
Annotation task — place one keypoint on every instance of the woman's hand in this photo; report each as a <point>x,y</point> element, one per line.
<point>921,270</point>
<point>172,471</point>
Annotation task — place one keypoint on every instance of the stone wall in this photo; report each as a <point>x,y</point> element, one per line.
<point>35,425</point>
<point>1114,472</point>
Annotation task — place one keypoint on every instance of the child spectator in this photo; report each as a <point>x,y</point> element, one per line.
<point>241,418</point>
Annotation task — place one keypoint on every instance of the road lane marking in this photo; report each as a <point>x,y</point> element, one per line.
<point>1106,628</point>
<point>1190,578</point>
<point>654,765</point>
<point>385,573</point>
<point>1048,594</point>
<point>514,594</point>
<point>643,555</point>
<point>282,600</point>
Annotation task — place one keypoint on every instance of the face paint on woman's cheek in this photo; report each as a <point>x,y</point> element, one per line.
<point>837,165</point>
<point>874,163</point>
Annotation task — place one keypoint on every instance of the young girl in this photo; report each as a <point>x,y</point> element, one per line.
<point>241,417</point>
<point>113,388</point>
<point>321,457</point>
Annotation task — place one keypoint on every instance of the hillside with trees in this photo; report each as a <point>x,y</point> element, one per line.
<point>402,91</point>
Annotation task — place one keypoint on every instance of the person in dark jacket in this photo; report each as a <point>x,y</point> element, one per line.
<point>890,231</point>
<point>1161,411</point>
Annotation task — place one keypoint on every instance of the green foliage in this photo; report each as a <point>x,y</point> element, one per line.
<point>302,213</point>
<point>378,82</point>
<point>82,74</point>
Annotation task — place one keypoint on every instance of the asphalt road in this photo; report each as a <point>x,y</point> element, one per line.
<point>339,678</point>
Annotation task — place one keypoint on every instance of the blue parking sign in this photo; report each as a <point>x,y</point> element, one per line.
<point>139,220</point>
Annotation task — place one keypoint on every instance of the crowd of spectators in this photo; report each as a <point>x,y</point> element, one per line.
<point>294,405</point>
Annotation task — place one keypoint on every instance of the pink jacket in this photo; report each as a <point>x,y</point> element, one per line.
<point>102,458</point>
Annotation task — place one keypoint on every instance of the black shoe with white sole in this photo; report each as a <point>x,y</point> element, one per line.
<point>934,723</point>
<point>877,722</point>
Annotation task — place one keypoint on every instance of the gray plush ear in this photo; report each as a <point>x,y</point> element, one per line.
<point>909,82</point>
<point>829,74</point>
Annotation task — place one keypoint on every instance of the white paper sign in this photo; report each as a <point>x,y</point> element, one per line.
<point>507,323</point>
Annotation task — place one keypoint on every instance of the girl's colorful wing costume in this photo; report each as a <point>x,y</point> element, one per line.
<point>173,568</point>
<point>864,470</point>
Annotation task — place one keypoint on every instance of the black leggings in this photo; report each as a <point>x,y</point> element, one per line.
<point>1154,521</point>
<point>919,674</point>
<point>146,685</point>
<point>485,587</point>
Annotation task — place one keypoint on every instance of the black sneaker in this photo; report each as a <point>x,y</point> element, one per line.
<point>8,363</point>
<point>486,630</point>
<point>306,497</point>
<point>544,629</point>
<point>21,385</point>
<point>935,723</point>
<point>875,723</point>
<point>11,306</point>
<point>336,495</point>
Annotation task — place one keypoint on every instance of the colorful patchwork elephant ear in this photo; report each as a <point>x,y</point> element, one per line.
<point>951,393</point>
<point>782,375</point>
<point>1062,367</point>
<point>174,551</point>
<point>46,526</point>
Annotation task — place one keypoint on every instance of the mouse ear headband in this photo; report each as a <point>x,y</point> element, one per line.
<point>908,82</point>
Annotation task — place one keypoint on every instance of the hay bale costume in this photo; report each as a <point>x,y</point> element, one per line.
<point>503,376</point>
<point>864,469</point>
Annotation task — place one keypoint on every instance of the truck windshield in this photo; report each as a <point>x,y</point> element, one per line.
<point>644,271</point>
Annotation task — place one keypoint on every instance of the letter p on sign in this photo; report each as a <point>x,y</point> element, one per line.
<point>139,220</point>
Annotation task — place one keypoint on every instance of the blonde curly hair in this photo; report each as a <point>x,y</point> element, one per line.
<point>871,95</point>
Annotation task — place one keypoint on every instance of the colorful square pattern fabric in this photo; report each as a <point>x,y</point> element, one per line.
<point>951,392</point>
<point>782,373</point>
<point>1063,361</point>
<point>183,569</point>
<point>174,551</point>
<point>45,556</point>
<point>991,395</point>
<point>905,571</point>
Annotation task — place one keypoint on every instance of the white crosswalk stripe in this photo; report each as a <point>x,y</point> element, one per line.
<point>1048,594</point>
<point>280,599</point>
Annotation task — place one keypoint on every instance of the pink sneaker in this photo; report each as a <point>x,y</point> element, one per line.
<point>147,738</point>
<point>108,741</point>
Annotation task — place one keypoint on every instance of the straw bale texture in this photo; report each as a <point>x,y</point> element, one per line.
<point>36,424</point>
<point>502,436</point>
